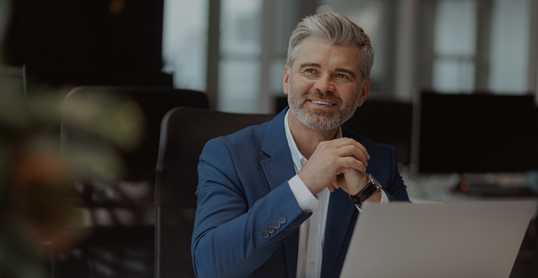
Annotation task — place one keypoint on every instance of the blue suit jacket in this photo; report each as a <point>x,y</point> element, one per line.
<point>243,190</point>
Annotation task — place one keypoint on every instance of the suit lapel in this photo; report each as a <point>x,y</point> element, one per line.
<point>278,168</point>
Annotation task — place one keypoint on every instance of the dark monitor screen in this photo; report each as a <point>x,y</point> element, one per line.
<point>476,133</point>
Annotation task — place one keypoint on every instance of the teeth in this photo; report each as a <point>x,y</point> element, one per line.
<point>321,102</point>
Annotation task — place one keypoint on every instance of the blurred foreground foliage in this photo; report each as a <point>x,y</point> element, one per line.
<point>36,169</point>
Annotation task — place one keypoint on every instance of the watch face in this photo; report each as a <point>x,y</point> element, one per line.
<point>372,179</point>
<point>375,182</point>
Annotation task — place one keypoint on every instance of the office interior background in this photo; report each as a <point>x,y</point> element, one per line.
<point>235,51</point>
<point>448,46</point>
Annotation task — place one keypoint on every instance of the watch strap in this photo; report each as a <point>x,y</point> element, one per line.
<point>366,192</point>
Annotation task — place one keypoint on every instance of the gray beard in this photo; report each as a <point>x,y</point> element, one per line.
<point>318,121</point>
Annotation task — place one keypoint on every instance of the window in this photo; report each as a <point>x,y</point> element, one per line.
<point>185,42</point>
<point>454,46</point>
<point>240,50</point>
<point>510,41</point>
<point>459,46</point>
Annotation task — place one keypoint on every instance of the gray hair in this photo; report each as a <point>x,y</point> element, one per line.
<point>336,29</point>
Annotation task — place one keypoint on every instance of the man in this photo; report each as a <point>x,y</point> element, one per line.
<point>274,199</point>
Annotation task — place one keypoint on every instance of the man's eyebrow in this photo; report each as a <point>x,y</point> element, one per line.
<point>309,65</point>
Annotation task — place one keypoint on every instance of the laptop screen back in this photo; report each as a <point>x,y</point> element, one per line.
<point>474,239</point>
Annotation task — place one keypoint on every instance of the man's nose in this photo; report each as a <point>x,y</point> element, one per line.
<point>325,83</point>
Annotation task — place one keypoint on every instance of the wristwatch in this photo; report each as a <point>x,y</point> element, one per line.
<point>367,191</point>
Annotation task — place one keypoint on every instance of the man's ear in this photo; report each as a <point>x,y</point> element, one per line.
<point>286,79</point>
<point>365,90</point>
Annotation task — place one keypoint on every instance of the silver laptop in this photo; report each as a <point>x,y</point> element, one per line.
<point>472,239</point>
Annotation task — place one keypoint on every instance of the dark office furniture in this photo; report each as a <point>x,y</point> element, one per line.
<point>122,247</point>
<point>475,133</point>
<point>485,138</point>
<point>183,136</point>
<point>154,103</point>
<point>79,75</point>
<point>385,121</point>
<point>86,34</point>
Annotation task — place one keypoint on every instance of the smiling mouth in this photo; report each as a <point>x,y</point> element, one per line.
<point>322,102</point>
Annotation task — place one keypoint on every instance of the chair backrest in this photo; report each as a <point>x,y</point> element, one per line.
<point>127,237</point>
<point>154,103</point>
<point>183,135</point>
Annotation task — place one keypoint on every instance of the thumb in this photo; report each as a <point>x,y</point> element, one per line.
<point>335,183</point>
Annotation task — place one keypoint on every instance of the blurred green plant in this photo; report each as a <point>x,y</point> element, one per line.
<point>36,168</point>
<point>37,200</point>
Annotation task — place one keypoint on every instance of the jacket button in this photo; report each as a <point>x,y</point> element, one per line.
<point>271,229</point>
<point>265,234</point>
<point>282,220</point>
<point>276,225</point>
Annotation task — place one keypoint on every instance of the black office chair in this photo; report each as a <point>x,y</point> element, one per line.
<point>183,136</point>
<point>154,103</point>
<point>111,248</point>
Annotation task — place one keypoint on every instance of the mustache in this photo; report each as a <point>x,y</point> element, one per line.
<point>317,94</point>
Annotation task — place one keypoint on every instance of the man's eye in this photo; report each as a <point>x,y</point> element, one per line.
<point>341,75</point>
<point>311,71</point>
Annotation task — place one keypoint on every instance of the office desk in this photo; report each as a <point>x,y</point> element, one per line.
<point>439,188</point>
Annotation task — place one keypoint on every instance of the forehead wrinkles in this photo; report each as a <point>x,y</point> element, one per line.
<point>317,52</point>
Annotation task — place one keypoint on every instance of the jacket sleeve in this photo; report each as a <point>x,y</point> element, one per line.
<point>232,235</point>
<point>395,188</point>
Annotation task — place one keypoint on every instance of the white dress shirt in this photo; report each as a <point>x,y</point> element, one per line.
<point>312,231</point>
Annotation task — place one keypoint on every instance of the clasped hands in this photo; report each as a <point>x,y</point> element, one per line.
<point>338,163</point>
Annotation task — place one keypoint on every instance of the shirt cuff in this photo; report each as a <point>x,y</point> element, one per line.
<point>384,198</point>
<point>305,199</point>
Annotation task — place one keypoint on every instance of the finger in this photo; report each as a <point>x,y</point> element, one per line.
<point>361,148</point>
<point>350,162</point>
<point>352,150</point>
<point>348,141</point>
<point>335,183</point>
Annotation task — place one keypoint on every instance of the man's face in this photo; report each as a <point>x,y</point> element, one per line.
<point>324,84</point>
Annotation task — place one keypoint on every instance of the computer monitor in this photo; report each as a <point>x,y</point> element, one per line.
<point>474,133</point>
